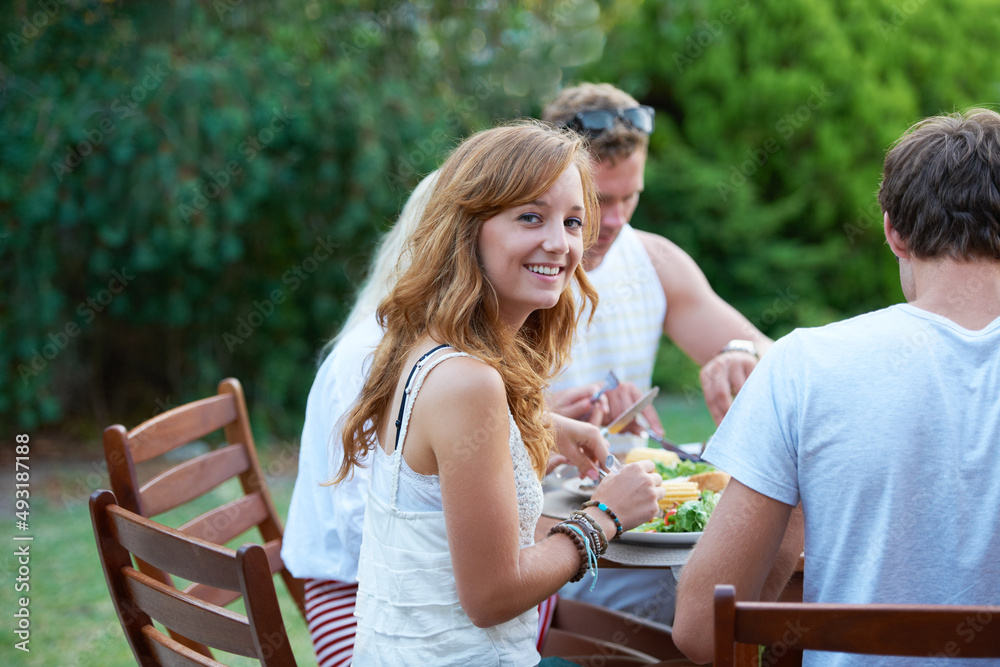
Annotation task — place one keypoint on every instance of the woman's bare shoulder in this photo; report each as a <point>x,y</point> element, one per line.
<point>462,380</point>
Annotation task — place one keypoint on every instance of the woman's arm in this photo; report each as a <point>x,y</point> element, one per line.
<point>462,416</point>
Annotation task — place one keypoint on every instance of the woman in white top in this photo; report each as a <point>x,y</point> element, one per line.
<point>453,408</point>
<point>322,539</point>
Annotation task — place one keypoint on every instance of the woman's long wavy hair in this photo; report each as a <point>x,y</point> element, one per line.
<point>445,291</point>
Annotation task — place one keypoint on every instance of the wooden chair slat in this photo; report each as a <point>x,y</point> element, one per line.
<point>906,630</point>
<point>193,618</point>
<point>560,642</point>
<point>606,624</point>
<point>222,597</point>
<point>273,551</point>
<point>213,565</point>
<point>875,629</point>
<point>179,426</point>
<point>193,479</point>
<point>217,596</point>
<point>172,653</point>
<point>225,522</point>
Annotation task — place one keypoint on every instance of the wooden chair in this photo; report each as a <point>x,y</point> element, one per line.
<point>786,629</point>
<point>182,483</point>
<point>140,599</point>
<point>588,634</point>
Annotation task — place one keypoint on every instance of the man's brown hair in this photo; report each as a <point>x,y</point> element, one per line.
<point>613,144</point>
<point>941,186</point>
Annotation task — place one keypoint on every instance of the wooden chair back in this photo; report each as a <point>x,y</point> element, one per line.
<point>787,628</point>
<point>580,629</point>
<point>190,479</point>
<point>140,599</point>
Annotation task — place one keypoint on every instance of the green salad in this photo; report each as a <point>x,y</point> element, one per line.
<point>682,469</point>
<point>690,517</point>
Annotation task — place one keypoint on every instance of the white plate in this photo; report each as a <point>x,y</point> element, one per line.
<point>574,486</point>
<point>677,539</point>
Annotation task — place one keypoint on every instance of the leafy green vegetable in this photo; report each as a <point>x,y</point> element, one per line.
<point>690,517</point>
<point>682,469</point>
<point>654,526</point>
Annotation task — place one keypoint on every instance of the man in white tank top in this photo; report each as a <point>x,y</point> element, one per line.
<point>648,287</point>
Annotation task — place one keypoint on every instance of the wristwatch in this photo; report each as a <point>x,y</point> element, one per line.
<point>740,345</point>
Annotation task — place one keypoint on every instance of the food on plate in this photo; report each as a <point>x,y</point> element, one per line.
<point>678,493</point>
<point>683,469</point>
<point>659,456</point>
<point>713,480</point>
<point>690,517</point>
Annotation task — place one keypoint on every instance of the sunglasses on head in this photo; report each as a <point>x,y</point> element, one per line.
<point>595,121</point>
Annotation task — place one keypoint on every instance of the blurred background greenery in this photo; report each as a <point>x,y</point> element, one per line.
<point>191,190</point>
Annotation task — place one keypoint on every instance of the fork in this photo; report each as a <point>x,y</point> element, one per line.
<point>610,382</point>
<point>612,466</point>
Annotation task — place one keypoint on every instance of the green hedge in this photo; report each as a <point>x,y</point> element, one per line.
<point>192,190</point>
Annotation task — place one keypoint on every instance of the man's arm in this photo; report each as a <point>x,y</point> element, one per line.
<point>744,541</point>
<point>701,323</point>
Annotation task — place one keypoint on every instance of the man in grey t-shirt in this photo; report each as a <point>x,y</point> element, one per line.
<point>883,427</point>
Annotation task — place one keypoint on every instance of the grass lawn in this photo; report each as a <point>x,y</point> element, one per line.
<point>73,622</point>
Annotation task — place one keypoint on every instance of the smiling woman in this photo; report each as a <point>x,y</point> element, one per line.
<point>454,415</point>
<point>529,252</point>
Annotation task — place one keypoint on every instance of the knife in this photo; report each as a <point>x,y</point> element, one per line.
<point>664,443</point>
<point>627,417</point>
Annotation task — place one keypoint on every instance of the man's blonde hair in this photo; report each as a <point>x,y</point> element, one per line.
<point>613,144</point>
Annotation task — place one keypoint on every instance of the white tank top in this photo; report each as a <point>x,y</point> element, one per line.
<point>407,607</point>
<point>628,324</point>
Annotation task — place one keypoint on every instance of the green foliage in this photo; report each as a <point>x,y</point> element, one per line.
<point>191,190</point>
<point>773,120</point>
<point>234,163</point>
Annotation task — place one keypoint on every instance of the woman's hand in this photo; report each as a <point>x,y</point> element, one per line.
<point>580,443</point>
<point>632,493</point>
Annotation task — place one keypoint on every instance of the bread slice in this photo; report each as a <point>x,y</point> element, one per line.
<point>713,480</point>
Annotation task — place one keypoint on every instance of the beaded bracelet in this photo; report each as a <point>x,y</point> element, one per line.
<point>591,556</point>
<point>607,510</point>
<point>593,539</point>
<point>601,545</point>
<point>578,540</point>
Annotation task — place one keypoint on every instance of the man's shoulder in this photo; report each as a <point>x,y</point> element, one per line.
<point>863,325</point>
<point>657,246</point>
<point>679,274</point>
